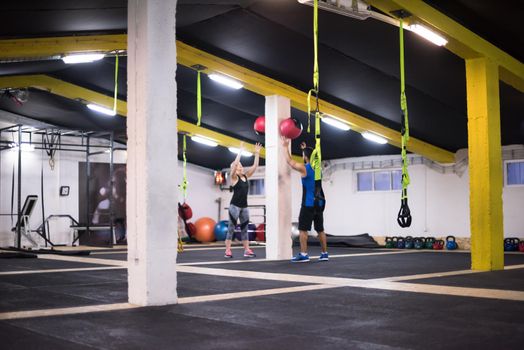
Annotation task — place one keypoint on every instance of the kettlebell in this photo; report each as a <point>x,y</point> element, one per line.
<point>419,243</point>
<point>521,246</point>
<point>429,242</point>
<point>409,242</point>
<point>508,244</point>
<point>401,243</point>
<point>516,243</point>
<point>394,241</point>
<point>389,242</point>
<point>451,243</point>
<point>438,244</point>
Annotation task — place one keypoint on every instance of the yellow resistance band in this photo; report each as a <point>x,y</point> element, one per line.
<point>183,186</point>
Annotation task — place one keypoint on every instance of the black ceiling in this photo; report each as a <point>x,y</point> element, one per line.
<point>358,68</point>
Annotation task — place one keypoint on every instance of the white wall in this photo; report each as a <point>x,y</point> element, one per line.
<point>439,205</point>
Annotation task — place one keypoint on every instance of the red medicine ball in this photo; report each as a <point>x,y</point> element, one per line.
<point>290,128</point>
<point>185,211</point>
<point>260,125</point>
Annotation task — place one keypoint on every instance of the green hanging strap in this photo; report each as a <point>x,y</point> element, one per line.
<point>404,214</point>
<point>183,186</point>
<point>199,99</point>
<point>316,156</point>
<point>116,84</point>
<point>316,75</point>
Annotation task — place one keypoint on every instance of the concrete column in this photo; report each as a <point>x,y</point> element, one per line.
<point>277,183</point>
<point>152,152</point>
<point>485,164</point>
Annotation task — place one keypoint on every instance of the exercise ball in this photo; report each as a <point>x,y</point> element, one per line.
<point>290,128</point>
<point>260,125</point>
<point>261,232</point>
<point>221,230</point>
<point>205,228</point>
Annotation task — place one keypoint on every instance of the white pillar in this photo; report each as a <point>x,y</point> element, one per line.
<point>277,183</point>
<point>152,152</point>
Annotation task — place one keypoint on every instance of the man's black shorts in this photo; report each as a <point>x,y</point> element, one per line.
<point>311,214</point>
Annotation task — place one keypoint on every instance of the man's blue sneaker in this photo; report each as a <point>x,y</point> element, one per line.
<point>323,257</point>
<point>299,258</point>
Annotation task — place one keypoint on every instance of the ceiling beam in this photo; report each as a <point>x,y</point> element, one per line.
<point>62,88</point>
<point>461,41</point>
<point>21,49</point>
<point>258,83</point>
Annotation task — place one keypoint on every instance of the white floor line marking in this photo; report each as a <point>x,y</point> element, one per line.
<point>372,284</point>
<point>441,274</point>
<point>123,263</point>
<point>514,267</point>
<point>450,290</point>
<point>216,262</point>
<point>185,250</point>
<point>28,272</point>
<point>426,275</point>
<point>84,259</point>
<point>65,311</point>
<point>262,292</point>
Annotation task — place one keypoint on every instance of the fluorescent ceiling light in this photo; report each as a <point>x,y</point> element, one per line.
<point>204,141</point>
<point>336,123</point>
<point>100,109</point>
<point>226,81</point>
<point>427,34</point>
<point>374,137</point>
<point>82,58</point>
<point>237,150</point>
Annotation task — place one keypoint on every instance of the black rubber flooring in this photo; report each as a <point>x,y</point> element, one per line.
<point>507,280</point>
<point>70,289</point>
<point>340,318</point>
<point>337,318</point>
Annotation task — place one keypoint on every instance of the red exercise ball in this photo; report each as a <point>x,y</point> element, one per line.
<point>290,128</point>
<point>205,230</point>
<point>260,125</point>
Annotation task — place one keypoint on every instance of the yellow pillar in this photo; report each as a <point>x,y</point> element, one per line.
<point>485,164</point>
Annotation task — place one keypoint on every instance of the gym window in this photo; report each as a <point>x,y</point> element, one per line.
<point>256,187</point>
<point>383,180</point>
<point>514,173</point>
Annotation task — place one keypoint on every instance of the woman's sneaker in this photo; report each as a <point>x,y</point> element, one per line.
<point>249,254</point>
<point>324,257</point>
<point>299,258</point>
<point>228,254</point>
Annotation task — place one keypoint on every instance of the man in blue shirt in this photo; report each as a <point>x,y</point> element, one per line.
<point>313,203</point>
